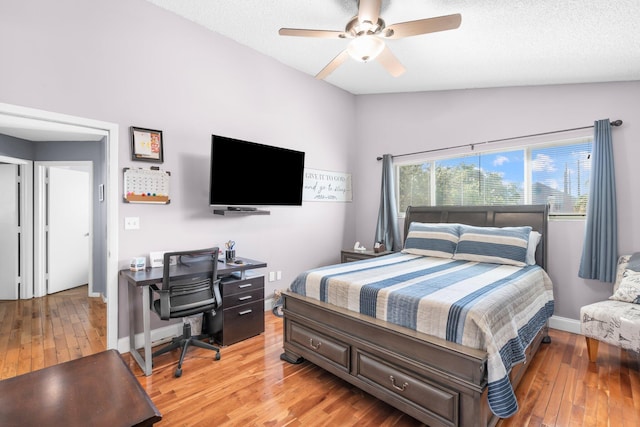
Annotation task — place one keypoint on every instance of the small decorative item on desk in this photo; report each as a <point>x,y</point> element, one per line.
<point>230,253</point>
<point>379,247</point>
<point>138,264</point>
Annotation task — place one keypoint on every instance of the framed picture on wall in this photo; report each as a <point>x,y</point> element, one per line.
<point>146,145</point>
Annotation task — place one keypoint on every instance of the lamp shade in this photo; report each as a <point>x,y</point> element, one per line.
<point>365,48</point>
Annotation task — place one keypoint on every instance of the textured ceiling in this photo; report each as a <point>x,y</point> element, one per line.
<point>499,43</point>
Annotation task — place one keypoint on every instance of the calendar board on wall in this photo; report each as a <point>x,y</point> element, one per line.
<point>146,185</point>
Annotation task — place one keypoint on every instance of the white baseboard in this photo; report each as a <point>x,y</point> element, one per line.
<point>565,324</point>
<point>268,304</point>
<point>158,336</point>
<point>165,333</point>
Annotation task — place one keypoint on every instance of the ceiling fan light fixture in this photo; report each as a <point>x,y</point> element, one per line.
<point>365,48</point>
<point>357,28</point>
<point>368,32</point>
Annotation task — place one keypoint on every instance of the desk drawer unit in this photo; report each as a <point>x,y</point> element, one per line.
<point>242,309</point>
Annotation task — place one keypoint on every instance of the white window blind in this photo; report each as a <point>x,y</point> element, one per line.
<point>556,174</point>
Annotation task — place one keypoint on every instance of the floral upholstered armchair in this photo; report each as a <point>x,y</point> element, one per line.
<point>616,321</point>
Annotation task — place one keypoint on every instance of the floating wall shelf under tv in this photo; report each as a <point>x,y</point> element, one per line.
<point>229,212</point>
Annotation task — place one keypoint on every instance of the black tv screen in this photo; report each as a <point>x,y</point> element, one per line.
<point>245,173</point>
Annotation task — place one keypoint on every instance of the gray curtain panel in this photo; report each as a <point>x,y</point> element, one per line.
<point>600,250</point>
<point>387,230</point>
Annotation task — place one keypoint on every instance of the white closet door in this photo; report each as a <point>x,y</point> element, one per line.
<point>9,232</point>
<point>69,238</point>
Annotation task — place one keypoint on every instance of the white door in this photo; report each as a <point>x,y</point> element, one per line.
<point>68,222</point>
<point>9,232</point>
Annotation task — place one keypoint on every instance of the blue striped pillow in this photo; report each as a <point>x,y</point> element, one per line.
<point>506,245</point>
<point>437,240</point>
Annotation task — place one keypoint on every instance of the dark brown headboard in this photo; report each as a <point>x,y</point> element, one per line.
<point>487,216</point>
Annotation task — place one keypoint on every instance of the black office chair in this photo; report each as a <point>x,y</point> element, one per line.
<point>195,292</point>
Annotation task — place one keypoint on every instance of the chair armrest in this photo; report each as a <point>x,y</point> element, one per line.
<point>216,292</point>
<point>165,302</point>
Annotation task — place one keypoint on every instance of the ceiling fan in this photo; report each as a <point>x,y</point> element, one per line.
<point>367,32</point>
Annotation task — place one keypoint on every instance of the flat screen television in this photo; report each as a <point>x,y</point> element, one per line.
<point>246,174</point>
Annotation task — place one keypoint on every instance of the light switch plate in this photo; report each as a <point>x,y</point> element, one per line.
<point>131,223</point>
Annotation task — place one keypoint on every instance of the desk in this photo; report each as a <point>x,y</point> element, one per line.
<point>96,390</point>
<point>143,279</point>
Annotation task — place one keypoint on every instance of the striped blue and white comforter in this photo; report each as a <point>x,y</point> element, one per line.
<point>492,307</point>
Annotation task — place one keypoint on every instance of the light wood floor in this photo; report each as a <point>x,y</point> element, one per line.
<point>41,332</point>
<point>251,386</point>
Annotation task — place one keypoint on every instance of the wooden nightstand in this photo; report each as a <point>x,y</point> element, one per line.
<point>348,255</point>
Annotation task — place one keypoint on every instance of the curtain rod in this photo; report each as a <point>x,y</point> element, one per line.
<point>613,123</point>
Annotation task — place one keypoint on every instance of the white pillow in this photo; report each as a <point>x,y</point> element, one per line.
<point>534,239</point>
<point>629,289</point>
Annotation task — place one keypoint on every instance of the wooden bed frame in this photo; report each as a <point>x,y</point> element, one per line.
<point>435,381</point>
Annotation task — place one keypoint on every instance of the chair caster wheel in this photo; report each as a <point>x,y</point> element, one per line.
<point>178,373</point>
<point>218,356</point>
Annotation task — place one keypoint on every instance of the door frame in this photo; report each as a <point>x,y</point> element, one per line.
<point>40,210</point>
<point>45,120</point>
<point>26,224</point>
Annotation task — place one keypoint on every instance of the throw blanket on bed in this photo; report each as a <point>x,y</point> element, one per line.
<point>492,307</point>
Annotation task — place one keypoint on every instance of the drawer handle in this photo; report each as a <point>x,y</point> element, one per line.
<point>245,298</point>
<point>393,383</point>
<point>246,285</point>
<point>242,313</point>
<point>315,347</point>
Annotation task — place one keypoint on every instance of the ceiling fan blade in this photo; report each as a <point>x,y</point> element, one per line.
<point>390,62</point>
<point>422,26</point>
<point>325,34</point>
<point>331,66</point>
<point>369,10</point>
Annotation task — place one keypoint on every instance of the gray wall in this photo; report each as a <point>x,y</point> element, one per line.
<point>420,121</point>
<point>131,63</point>
<point>16,147</point>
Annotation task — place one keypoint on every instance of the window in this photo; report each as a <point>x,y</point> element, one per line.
<point>555,174</point>
<point>560,177</point>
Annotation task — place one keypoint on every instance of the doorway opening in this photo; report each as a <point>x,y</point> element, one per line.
<point>64,225</point>
<point>32,124</point>
<point>16,228</point>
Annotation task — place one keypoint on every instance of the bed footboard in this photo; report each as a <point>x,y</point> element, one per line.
<point>436,382</point>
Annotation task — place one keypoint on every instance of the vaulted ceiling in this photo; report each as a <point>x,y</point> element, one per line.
<point>499,42</point>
